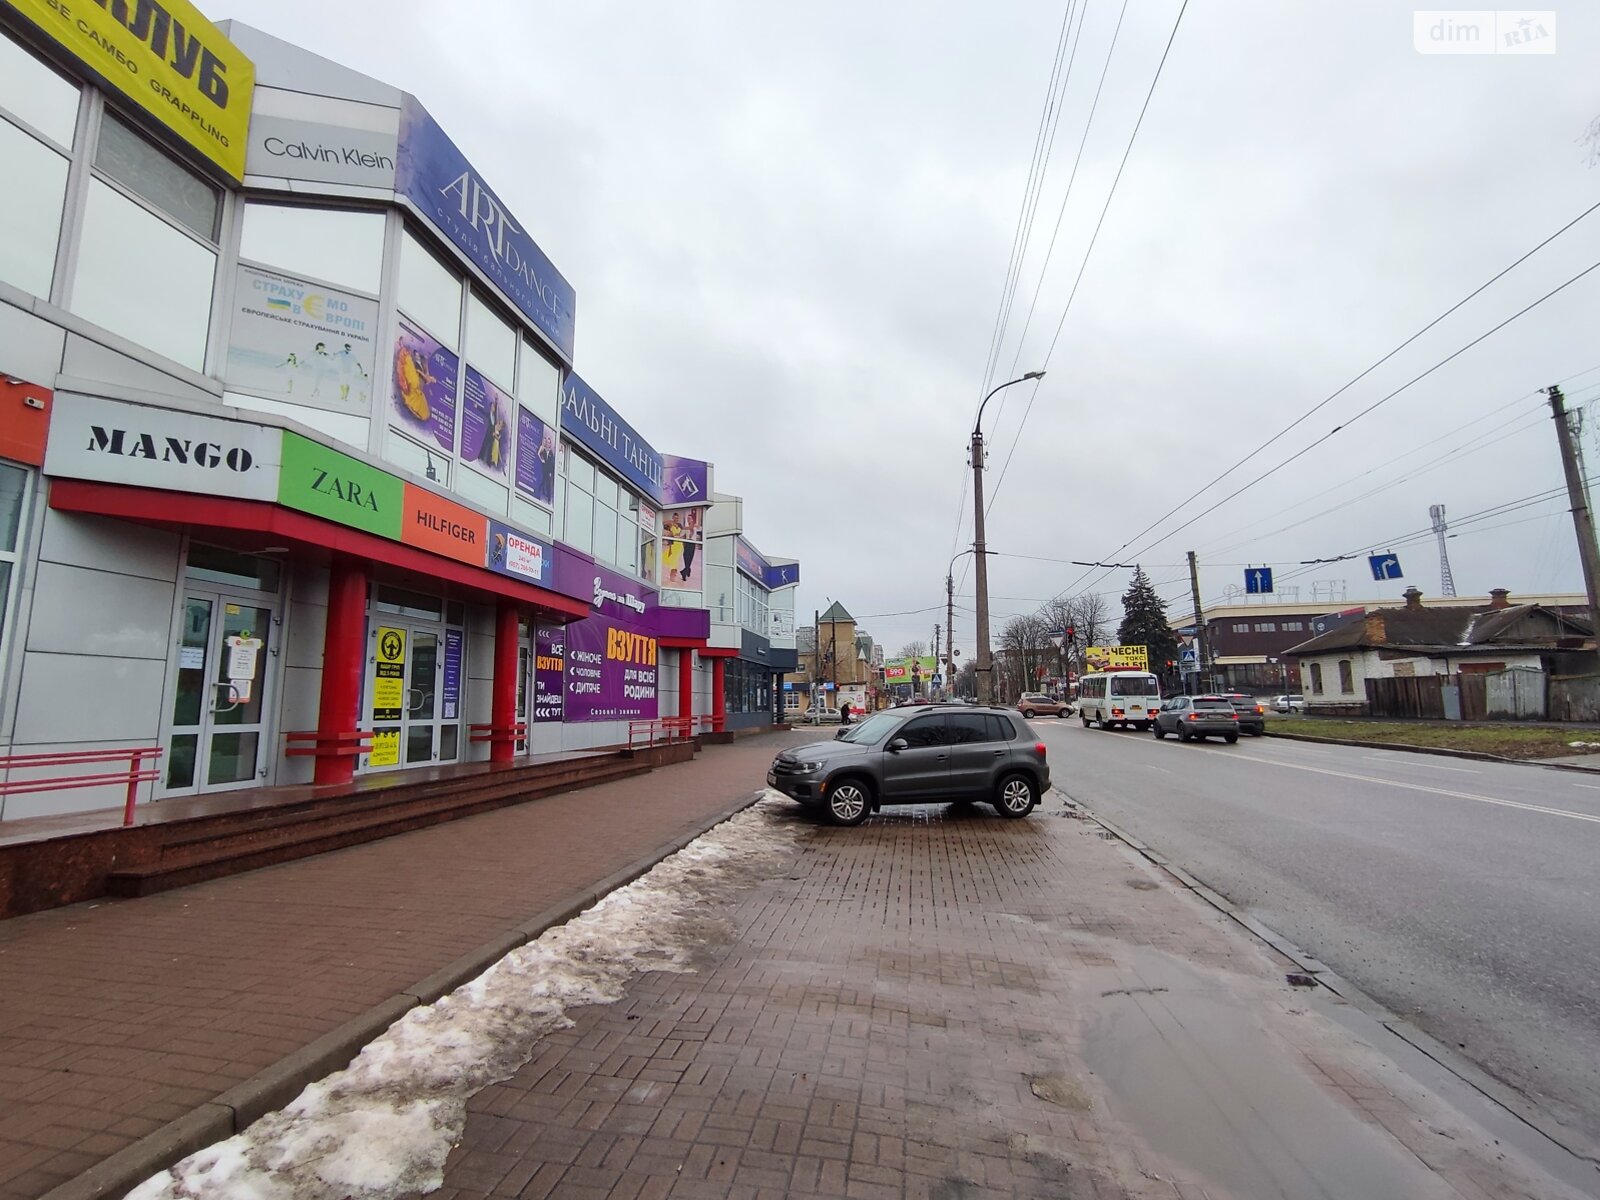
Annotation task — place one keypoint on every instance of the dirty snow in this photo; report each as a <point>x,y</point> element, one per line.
<point>385,1124</point>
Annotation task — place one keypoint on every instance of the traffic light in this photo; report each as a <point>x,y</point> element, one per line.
<point>1072,633</point>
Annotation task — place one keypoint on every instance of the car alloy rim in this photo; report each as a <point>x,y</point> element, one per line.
<point>848,802</point>
<point>1016,797</point>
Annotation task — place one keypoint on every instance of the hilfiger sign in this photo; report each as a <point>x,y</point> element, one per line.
<point>168,59</point>
<point>93,438</point>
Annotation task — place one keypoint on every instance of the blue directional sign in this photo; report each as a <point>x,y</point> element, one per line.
<point>1188,659</point>
<point>1385,566</point>
<point>1257,580</point>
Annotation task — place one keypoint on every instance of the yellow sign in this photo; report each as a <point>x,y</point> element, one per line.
<point>385,749</point>
<point>388,679</point>
<point>1116,658</point>
<point>168,59</point>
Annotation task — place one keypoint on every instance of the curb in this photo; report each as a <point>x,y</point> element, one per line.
<point>1442,751</point>
<point>1469,1073</point>
<point>268,1090</point>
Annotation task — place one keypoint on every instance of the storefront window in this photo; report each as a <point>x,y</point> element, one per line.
<point>160,181</point>
<point>337,246</point>
<point>143,278</point>
<point>539,385</point>
<point>35,95</point>
<point>429,291</point>
<point>719,594</point>
<point>580,518</point>
<point>30,217</point>
<point>214,564</point>
<point>491,343</point>
<point>13,489</point>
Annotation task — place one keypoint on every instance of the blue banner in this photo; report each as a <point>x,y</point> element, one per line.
<point>754,564</point>
<point>781,576</point>
<point>593,422</point>
<point>438,179</point>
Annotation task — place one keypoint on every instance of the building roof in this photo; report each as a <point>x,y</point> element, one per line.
<point>1432,630</point>
<point>836,612</point>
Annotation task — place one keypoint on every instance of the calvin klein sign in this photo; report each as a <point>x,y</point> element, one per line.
<point>285,149</point>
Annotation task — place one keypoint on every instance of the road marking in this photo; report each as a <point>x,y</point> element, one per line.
<point>1417,787</point>
<point>1164,770</point>
<point>1398,761</point>
<point>1590,786</point>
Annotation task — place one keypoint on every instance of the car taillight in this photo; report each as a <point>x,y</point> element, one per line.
<point>1260,711</point>
<point>1194,716</point>
<point>1038,748</point>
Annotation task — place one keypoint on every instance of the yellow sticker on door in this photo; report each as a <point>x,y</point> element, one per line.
<point>385,749</point>
<point>388,680</point>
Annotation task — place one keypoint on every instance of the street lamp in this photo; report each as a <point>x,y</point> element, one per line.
<point>985,664</point>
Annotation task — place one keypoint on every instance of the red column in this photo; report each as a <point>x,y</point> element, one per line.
<point>686,684</point>
<point>503,746</point>
<point>343,656</point>
<point>719,711</point>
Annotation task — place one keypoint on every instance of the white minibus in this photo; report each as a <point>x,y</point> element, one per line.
<point>1119,698</point>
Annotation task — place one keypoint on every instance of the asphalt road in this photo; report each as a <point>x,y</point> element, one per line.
<point>1462,894</point>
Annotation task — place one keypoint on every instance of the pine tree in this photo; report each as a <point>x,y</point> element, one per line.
<point>1144,623</point>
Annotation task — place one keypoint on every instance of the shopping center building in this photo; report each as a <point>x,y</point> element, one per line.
<point>298,480</point>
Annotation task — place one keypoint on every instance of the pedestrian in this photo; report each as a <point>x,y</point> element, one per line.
<point>844,713</point>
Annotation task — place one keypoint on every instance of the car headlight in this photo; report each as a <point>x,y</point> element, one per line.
<point>808,766</point>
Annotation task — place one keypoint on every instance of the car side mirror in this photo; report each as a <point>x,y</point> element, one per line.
<point>839,733</point>
<point>896,745</point>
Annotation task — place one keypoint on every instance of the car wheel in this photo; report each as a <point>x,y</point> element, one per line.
<point>1015,796</point>
<point>1084,719</point>
<point>1230,738</point>
<point>1161,734</point>
<point>1028,713</point>
<point>1183,734</point>
<point>848,802</point>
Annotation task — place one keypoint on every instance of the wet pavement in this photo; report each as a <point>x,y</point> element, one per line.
<point>941,1004</point>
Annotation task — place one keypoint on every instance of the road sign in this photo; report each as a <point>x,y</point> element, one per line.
<point>1188,658</point>
<point>936,681</point>
<point>1385,566</point>
<point>1257,580</point>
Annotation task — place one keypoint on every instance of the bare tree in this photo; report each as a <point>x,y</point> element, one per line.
<point>1591,139</point>
<point>913,650</point>
<point>1025,648</point>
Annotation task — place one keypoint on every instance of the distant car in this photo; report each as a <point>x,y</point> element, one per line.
<point>1252,713</point>
<point>1288,704</point>
<point>1197,717</point>
<point>917,754</point>
<point>819,716</point>
<point>1037,704</point>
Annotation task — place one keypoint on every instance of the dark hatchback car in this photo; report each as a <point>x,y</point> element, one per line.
<point>1197,717</point>
<point>915,755</point>
<point>1252,713</point>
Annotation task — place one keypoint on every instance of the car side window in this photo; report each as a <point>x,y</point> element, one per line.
<point>967,728</point>
<point>1000,728</point>
<point>924,731</point>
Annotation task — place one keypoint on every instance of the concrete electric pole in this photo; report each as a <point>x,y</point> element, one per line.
<point>1200,656</point>
<point>1582,519</point>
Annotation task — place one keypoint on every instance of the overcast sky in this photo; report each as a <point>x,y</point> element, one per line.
<point>788,228</point>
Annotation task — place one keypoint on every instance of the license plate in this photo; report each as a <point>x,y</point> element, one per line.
<point>772,780</point>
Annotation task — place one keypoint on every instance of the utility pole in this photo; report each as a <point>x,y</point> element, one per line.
<point>950,627</point>
<point>985,663</point>
<point>1201,658</point>
<point>816,659</point>
<point>1582,519</point>
<point>935,649</point>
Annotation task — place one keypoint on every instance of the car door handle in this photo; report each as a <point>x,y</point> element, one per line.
<point>942,757</point>
<point>997,753</point>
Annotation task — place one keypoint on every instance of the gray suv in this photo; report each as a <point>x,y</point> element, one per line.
<point>917,754</point>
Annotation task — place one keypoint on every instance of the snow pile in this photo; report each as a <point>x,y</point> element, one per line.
<point>385,1124</point>
<point>1584,745</point>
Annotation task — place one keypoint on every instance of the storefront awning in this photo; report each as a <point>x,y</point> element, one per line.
<point>256,525</point>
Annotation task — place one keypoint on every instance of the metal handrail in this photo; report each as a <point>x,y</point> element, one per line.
<point>133,776</point>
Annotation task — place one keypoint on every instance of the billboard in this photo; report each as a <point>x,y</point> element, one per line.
<point>1116,658</point>
<point>682,537</point>
<point>425,387</point>
<point>611,672</point>
<point>301,342</point>
<point>437,178</point>
<point>905,670</point>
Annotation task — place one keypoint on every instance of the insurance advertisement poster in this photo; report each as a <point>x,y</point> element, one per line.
<point>485,426</point>
<point>682,540</point>
<point>536,459</point>
<point>611,672</point>
<point>301,342</point>
<point>425,387</point>
<point>549,672</point>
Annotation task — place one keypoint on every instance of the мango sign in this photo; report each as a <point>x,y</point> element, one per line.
<point>168,59</point>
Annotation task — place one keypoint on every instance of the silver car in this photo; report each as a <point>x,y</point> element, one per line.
<point>918,754</point>
<point>1197,717</point>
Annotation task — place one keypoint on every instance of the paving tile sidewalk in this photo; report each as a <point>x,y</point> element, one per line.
<point>942,1004</point>
<point>120,1016</point>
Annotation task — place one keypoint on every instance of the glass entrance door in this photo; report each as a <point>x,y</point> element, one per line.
<point>413,694</point>
<point>217,736</point>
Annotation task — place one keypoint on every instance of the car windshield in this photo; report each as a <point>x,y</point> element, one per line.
<point>1220,705</point>
<point>1132,685</point>
<point>870,731</point>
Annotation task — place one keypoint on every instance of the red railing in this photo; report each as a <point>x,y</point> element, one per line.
<point>666,729</point>
<point>133,776</point>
